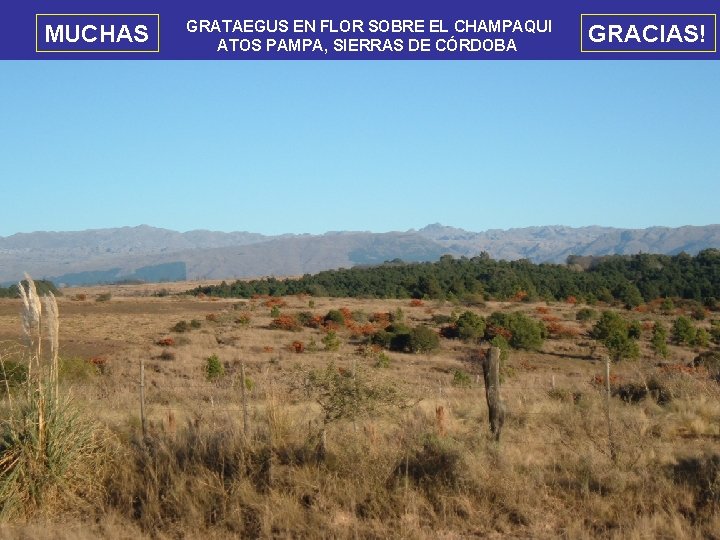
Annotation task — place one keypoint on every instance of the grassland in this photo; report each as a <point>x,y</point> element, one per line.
<point>413,460</point>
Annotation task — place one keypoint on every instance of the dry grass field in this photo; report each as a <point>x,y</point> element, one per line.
<point>409,452</point>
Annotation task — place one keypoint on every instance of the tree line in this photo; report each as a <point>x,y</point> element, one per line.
<point>629,279</point>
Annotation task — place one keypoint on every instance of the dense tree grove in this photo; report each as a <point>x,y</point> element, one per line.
<point>626,279</point>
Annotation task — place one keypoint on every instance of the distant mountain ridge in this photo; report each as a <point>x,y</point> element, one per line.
<point>130,252</point>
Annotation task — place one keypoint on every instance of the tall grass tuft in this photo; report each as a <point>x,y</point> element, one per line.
<point>51,456</point>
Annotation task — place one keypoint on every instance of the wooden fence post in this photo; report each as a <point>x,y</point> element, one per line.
<point>243,396</point>
<point>496,408</point>
<point>142,397</point>
<point>611,442</point>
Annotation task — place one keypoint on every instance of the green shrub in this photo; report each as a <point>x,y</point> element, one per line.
<point>585,314</point>
<point>461,379</point>
<point>501,343</point>
<point>702,338</point>
<point>683,331</point>
<point>275,312</point>
<point>442,319</point>
<point>470,326</point>
<point>331,341</point>
<point>715,332</point>
<point>180,327</point>
<point>382,361</point>
<point>12,372</point>
<point>195,324</point>
<point>423,340</point>
<point>614,332</point>
<point>336,316</point>
<point>214,368</point>
<point>104,297</point>
<point>698,313</point>
<point>523,332</point>
<point>634,329</point>
<point>659,339</point>
<point>304,317</point>
<point>383,338</point>
<point>76,369</point>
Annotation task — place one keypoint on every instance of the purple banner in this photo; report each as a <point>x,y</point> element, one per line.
<point>368,30</point>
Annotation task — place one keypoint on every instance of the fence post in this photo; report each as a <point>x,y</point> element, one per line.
<point>611,442</point>
<point>496,408</point>
<point>142,397</point>
<point>246,426</point>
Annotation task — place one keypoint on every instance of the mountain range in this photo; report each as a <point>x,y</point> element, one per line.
<point>153,254</point>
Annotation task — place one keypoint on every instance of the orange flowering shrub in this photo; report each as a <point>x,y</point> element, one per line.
<point>557,330</point>
<point>380,319</point>
<point>347,315</point>
<point>520,296</point>
<point>274,302</point>
<point>285,322</point>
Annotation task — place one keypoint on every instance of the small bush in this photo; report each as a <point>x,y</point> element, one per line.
<point>195,324</point>
<point>461,379</point>
<point>521,331</point>
<point>214,368</point>
<point>331,341</point>
<point>702,338</point>
<point>585,314</point>
<point>614,332</point>
<point>422,340</point>
<point>77,369</point>
<point>711,361</point>
<point>180,327</point>
<point>285,322</point>
<point>336,316</point>
<point>167,355</point>
<point>312,346</point>
<point>442,319</point>
<point>104,297</point>
<point>15,373</point>
<point>683,331</point>
<point>470,326</point>
<point>698,313</point>
<point>275,312</point>
<point>437,463</point>
<point>305,318</point>
<point>383,338</point>
<point>382,361</point>
<point>634,329</point>
<point>658,341</point>
<point>636,392</point>
<point>702,475</point>
<point>243,320</point>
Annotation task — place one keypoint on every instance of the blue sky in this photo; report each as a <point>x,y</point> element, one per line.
<point>316,146</point>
